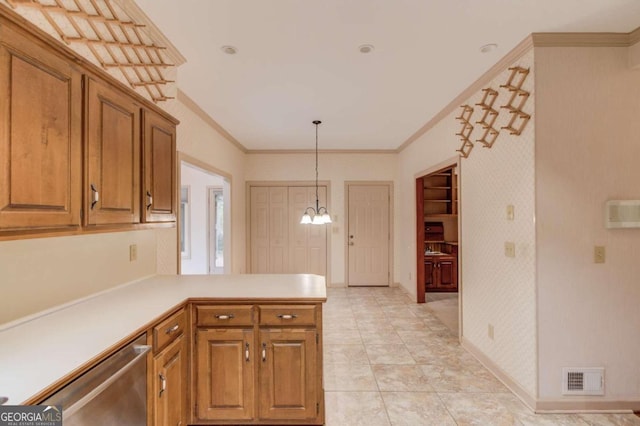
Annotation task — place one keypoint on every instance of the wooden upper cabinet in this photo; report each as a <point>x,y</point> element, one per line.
<point>159,195</point>
<point>40,136</point>
<point>112,189</point>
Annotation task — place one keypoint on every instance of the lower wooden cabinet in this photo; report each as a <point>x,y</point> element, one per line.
<point>224,374</point>
<point>288,374</point>
<point>170,386</point>
<point>441,273</point>
<point>263,367</point>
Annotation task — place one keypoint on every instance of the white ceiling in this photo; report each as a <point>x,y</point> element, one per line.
<point>298,60</point>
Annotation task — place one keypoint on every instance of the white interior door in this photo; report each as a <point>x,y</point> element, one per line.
<point>269,230</point>
<point>278,242</point>
<point>368,235</point>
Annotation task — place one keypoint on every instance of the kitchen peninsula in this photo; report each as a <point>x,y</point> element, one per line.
<point>41,354</point>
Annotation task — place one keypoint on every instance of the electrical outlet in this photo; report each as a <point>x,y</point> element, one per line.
<point>133,252</point>
<point>510,249</point>
<point>598,254</point>
<point>490,331</point>
<point>510,212</point>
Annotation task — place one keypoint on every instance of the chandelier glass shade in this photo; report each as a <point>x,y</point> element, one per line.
<point>316,215</point>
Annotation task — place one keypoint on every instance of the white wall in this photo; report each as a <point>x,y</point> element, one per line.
<point>200,140</point>
<point>587,152</point>
<point>40,273</point>
<point>336,168</point>
<point>495,290</point>
<point>198,182</point>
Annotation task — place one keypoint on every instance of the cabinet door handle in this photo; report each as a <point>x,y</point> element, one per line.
<point>225,316</point>
<point>163,385</point>
<point>264,352</point>
<point>287,316</point>
<point>149,200</point>
<point>95,196</point>
<point>246,352</point>
<point>172,329</point>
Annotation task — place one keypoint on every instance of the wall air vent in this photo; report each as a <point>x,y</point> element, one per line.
<point>583,381</point>
<point>622,214</point>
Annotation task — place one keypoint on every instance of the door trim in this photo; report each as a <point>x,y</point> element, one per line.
<point>420,254</point>
<point>347,185</point>
<point>210,169</point>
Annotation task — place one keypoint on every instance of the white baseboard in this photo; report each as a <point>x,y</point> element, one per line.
<point>512,385</point>
<point>568,405</point>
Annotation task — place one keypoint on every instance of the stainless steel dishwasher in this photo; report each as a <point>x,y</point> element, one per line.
<point>113,393</point>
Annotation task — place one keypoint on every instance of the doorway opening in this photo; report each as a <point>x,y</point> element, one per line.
<point>204,224</point>
<point>437,242</point>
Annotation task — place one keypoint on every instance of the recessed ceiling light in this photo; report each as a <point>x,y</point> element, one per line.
<point>488,48</point>
<point>366,48</point>
<point>229,50</point>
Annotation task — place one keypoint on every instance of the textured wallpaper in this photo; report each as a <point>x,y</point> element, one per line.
<point>500,290</point>
<point>497,290</point>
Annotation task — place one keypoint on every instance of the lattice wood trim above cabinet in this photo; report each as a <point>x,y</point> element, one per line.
<point>519,97</point>
<point>488,118</point>
<point>465,131</point>
<point>103,30</point>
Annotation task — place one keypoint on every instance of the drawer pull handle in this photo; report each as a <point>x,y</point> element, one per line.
<point>172,329</point>
<point>149,200</point>
<point>287,316</point>
<point>246,352</point>
<point>163,385</point>
<point>264,352</point>
<point>225,317</point>
<point>95,196</point>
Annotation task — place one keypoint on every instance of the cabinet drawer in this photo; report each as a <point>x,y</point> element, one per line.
<point>283,315</point>
<point>167,331</point>
<point>224,315</point>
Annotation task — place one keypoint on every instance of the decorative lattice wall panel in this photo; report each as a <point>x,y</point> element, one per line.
<point>113,34</point>
<point>465,130</point>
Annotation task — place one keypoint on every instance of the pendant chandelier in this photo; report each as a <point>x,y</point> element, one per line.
<point>316,215</point>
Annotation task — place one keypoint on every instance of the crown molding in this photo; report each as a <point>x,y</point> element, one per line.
<point>634,36</point>
<point>322,151</point>
<point>581,39</point>
<point>195,108</point>
<point>531,41</point>
<point>137,14</point>
<point>516,53</point>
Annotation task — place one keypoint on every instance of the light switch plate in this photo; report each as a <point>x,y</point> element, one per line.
<point>598,254</point>
<point>511,212</point>
<point>490,331</point>
<point>133,252</point>
<point>510,249</point>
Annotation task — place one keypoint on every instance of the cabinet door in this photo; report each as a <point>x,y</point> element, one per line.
<point>224,374</point>
<point>447,272</point>
<point>170,385</point>
<point>40,136</point>
<point>112,192</point>
<point>429,272</point>
<point>289,374</point>
<point>159,152</point>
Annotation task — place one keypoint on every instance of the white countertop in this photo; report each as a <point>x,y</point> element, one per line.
<point>39,352</point>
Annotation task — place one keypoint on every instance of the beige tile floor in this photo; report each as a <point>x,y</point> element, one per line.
<point>390,361</point>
